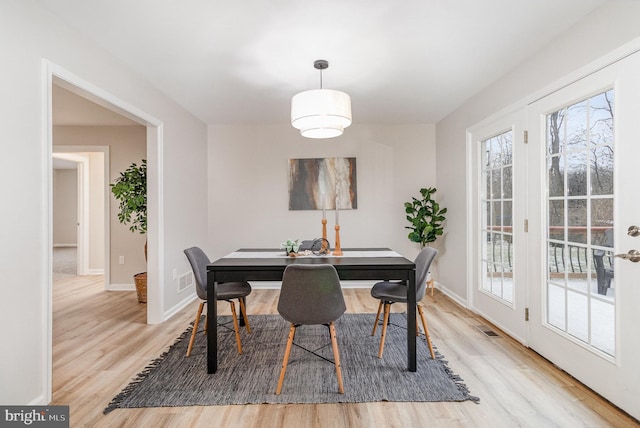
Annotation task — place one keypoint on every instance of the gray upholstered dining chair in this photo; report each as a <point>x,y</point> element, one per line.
<point>310,295</point>
<point>226,291</point>
<point>391,292</point>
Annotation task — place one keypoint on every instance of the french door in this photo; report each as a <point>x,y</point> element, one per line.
<point>584,145</point>
<point>497,176</point>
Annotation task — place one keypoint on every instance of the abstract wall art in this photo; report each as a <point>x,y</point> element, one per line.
<point>320,182</point>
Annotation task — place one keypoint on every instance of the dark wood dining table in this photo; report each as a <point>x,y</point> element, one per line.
<point>269,264</point>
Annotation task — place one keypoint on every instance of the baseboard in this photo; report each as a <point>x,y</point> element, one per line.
<point>65,245</point>
<point>507,331</point>
<point>179,306</point>
<point>121,287</point>
<point>453,296</point>
<point>38,401</point>
<point>95,272</point>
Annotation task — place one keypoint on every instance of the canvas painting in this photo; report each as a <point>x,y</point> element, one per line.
<point>320,182</point>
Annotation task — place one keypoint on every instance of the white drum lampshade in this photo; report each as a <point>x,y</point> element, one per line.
<point>321,113</point>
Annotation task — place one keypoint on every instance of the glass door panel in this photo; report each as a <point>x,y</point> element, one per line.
<point>496,205</point>
<point>580,149</point>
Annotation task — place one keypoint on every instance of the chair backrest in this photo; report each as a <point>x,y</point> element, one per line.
<point>423,263</point>
<point>199,262</point>
<point>311,294</point>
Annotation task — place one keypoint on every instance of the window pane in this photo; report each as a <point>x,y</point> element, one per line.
<point>601,118</point>
<point>556,175</point>
<point>555,132</point>
<point>601,221</point>
<point>577,173</point>
<point>555,306</point>
<point>507,215</point>
<point>555,253</point>
<point>603,330</point>
<point>495,152</point>
<point>576,124</point>
<point>507,148</point>
<point>497,213</point>
<point>577,316</point>
<point>496,184</point>
<point>602,170</point>
<point>556,219</point>
<point>577,219</point>
<point>507,184</point>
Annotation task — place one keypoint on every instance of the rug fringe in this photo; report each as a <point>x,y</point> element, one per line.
<point>140,377</point>
<point>459,382</point>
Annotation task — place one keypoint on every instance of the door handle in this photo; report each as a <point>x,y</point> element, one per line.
<point>633,231</point>
<point>632,256</point>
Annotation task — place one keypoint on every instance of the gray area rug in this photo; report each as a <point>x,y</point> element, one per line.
<point>251,378</point>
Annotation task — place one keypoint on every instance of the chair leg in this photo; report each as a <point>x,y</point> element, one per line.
<point>236,327</point>
<point>285,361</point>
<point>243,310</point>
<point>431,285</point>
<point>387,307</point>
<point>336,356</point>
<point>195,328</point>
<point>375,324</point>
<point>426,332</point>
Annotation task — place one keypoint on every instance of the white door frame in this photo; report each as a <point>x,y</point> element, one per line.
<point>155,232</point>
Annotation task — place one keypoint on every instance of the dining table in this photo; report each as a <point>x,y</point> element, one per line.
<point>355,264</point>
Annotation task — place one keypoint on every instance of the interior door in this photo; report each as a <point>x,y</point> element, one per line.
<point>497,174</point>
<point>584,144</point>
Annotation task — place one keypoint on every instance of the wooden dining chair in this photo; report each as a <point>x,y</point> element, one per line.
<point>225,291</point>
<point>310,295</point>
<point>389,292</point>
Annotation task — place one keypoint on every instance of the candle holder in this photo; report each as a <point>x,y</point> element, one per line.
<point>337,251</point>
<point>324,228</point>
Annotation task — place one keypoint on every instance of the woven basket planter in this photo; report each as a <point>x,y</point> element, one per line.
<point>141,286</point>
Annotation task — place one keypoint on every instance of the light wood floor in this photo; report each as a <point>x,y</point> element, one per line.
<point>100,341</point>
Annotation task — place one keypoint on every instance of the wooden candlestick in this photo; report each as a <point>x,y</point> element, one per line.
<point>337,251</point>
<point>324,228</point>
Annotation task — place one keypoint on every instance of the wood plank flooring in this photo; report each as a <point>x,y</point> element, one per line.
<point>100,341</point>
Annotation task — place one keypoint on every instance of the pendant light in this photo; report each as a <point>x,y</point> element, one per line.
<point>321,113</point>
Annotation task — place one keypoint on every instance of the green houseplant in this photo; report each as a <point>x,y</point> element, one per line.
<point>290,246</point>
<point>426,217</point>
<point>130,190</point>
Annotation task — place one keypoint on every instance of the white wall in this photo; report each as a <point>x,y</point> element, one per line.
<point>29,34</point>
<point>248,191</point>
<point>606,29</point>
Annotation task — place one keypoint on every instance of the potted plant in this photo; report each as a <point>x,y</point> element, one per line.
<point>426,218</point>
<point>130,190</point>
<point>290,246</point>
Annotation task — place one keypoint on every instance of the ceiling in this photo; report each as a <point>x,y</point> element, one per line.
<point>240,62</point>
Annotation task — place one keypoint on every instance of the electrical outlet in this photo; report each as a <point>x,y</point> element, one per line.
<point>121,260</point>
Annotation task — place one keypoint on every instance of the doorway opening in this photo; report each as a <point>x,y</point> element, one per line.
<point>54,76</point>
